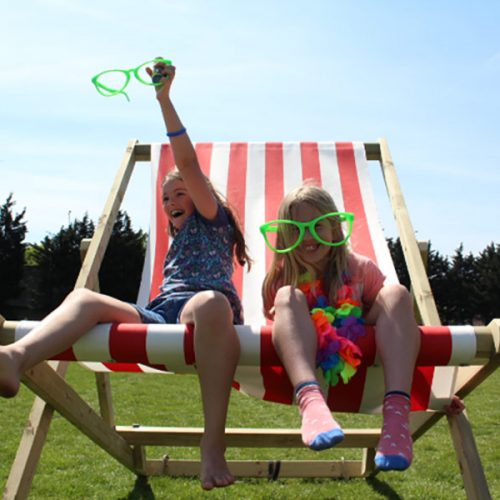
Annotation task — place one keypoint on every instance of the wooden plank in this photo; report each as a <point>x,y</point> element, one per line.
<point>93,259</point>
<point>30,447</point>
<point>244,437</point>
<point>418,276</point>
<point>335,469</point>
<point>469,462</point>
<point>53,389</point>
<point>142,152</point>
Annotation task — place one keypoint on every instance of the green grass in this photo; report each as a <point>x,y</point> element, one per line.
<point>72,466</point>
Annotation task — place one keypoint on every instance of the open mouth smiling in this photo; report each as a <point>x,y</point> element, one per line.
<point>176,213</point>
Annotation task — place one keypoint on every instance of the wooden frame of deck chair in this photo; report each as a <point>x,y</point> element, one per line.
<point>261,173</point>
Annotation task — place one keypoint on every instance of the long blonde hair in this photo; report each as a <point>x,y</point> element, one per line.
<point>240,249</point>
<point>286,268</point>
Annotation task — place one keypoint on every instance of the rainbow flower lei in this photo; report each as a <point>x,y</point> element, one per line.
<point>337,329</point>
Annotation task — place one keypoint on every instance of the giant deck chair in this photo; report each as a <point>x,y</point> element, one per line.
<point>255,177</point>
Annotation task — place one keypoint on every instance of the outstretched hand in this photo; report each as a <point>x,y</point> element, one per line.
<point>167,76</point>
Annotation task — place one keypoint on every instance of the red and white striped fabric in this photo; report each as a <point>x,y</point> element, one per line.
<point>254,177</point>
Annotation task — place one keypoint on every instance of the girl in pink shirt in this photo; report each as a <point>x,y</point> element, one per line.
<point>319,295</point>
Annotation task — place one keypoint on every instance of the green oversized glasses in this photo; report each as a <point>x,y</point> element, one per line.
<point>283,236</point>
<point>114,81</point>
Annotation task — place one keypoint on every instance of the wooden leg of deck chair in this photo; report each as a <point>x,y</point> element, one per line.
<point>471,468</point>
<point>368,462</point>
<point>104,394</point>
<point>44,382</point>
<point>30,448</point>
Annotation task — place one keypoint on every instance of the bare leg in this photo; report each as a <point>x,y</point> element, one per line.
<point>398,342</point>
<point>294,338</point>
<point>79,312</point>
<point>217,351</point>
<point>397,336</point>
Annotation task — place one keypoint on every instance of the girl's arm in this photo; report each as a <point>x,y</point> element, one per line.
<point>182,147</point>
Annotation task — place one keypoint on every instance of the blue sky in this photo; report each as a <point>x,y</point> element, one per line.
<point>424,74</point>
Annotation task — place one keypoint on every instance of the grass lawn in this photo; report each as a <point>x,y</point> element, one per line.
<point>73,467</point>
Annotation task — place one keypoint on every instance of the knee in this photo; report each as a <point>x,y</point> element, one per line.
<point>213,308</point>
<point>288,297</point>
<point>398,293</point>
<point>84,299</point>
<point>396,296</point>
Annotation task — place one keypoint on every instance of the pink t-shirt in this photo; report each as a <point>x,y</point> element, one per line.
<point>366,279</point>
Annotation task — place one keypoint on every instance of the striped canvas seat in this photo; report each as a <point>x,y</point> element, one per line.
<point>254,177</point>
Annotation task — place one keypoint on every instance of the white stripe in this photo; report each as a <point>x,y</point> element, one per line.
<point>219,166</point>
<point>464,345</point>
<point>165,346</point>
<point>96,367</point>
<point>254,218</point>
<point>94,345</point>
<point>249,345</point>
<point>250,380</point>
<point>150,369</point>
<point>384,260</point>
<point>292,166</point>
<point>147,272</point>
<point>23,327</point>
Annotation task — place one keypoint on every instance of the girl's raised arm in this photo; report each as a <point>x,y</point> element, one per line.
<point>182,147</point>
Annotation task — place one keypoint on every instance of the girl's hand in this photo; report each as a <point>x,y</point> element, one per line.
<point>168,75</point>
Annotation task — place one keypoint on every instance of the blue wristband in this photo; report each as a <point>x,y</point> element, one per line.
<point>177,132</point>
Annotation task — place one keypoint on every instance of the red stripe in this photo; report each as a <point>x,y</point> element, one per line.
<point>161,248</point>
<point>436,346</point>
<point>204,154</point>
<point>353,201</point>
<point>310,161</point>
<point>189,354</point>
<point>277,385</point>
<point>348,397</point>
<point>67,355</point>
<point>127,342</point>
<point>123,367</point>
<point>421,387</point>
<point>236,195</point>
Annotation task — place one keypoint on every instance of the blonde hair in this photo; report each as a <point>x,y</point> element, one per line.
<point>240,250</point>
<point>286,268</point>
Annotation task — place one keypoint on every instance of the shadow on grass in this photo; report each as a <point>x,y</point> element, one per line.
<point>382,488</point>
<point>142,490</point>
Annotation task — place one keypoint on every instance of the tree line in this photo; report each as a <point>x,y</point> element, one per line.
<point>35,278</point>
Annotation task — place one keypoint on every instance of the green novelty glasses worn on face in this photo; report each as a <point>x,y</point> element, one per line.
<point>114,81</point>
<point>290,232</point>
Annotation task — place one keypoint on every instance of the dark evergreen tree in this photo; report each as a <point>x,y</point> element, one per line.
<point>121,268</point>
<point>12,233</point>
<point>461,288</point>
<point>57,259</point>
<point>487,284</point>
<point>438,268</point>
<point>398,259</point>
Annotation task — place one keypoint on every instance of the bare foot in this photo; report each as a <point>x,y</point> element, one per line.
<point>214,470</point>
<point>9,374</point>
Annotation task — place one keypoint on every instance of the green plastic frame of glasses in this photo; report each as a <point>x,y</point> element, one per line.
<point>273,227</point>
<point>109,92</point>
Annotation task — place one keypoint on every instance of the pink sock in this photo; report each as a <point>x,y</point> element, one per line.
<point>319,429</point>
<point>395,448</point>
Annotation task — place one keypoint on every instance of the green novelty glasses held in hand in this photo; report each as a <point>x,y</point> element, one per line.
<point>114,81</point>
<point>283,235</point>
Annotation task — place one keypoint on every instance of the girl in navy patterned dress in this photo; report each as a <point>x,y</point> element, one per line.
<point>197,289</point>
